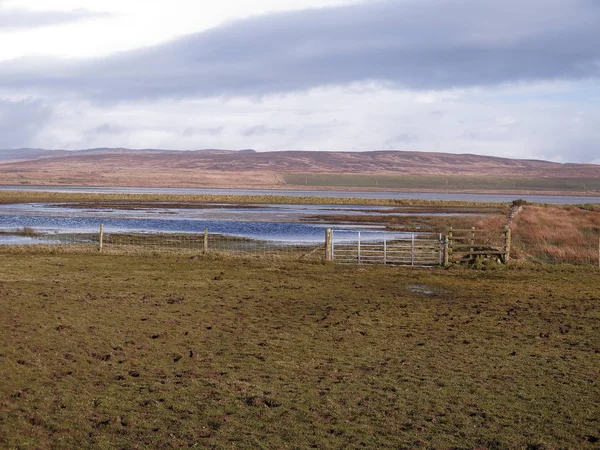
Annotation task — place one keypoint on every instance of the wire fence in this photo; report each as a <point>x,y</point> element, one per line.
<point>349,246</point>
<point>119,242</point>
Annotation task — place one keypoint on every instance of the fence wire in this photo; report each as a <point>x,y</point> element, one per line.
<point>117,242</point>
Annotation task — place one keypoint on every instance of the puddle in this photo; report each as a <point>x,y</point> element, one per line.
<point>421,289</point>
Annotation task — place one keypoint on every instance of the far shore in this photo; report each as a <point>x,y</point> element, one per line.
<point>288,187</point>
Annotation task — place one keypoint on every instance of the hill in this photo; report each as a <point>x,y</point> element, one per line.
<point>247,168</point>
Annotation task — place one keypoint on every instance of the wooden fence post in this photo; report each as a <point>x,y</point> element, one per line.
<point>446,248</point>
<point>328,245</point>
<point>507,244</point>
<point>205,242</point>
<point>384,249</point>
<point>101,239</point>
<point>472,249</point>
<point>449,239</point>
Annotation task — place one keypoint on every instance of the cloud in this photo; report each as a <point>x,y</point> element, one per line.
<point>401,140</point>
<point>13,19</point>
<point>21,121</point>
<point>206,131</point>
<point>259,130</point>
<point>410,44</point>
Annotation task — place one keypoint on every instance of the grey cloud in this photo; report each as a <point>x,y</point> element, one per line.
<point>210,131</point>
<point>415,44</point>
<point>107,128</point>
<point>259,130</point>
<point>12,19</point>
<point>21,121</point>
<point>402,139</point>
<point>320,130</point>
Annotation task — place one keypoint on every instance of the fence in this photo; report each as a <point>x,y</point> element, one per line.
<point>470,244</point>
<point>108,240</point>
<point>345,246</point>
<point>382,247</point>
<point>209,243</point>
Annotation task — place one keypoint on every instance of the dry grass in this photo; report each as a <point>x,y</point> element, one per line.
<point>557,234</point>
<point>12,197</point>
<point>104,351</point>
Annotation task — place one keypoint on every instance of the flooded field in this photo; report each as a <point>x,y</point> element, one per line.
<point>284,223</point>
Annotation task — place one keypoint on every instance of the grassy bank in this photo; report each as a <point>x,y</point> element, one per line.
<point>557,234</point>
<point>11,197</point>
<point>449,183</point>
<point>103,351</point>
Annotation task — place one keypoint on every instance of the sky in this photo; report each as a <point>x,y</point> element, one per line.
<point>507,78</point>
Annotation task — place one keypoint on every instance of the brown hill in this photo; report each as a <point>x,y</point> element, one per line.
<point>225,168</point>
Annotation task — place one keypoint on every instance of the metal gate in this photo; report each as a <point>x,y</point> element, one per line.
<point>383,247</point>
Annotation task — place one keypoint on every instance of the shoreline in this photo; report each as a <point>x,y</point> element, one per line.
<point>41,187</point>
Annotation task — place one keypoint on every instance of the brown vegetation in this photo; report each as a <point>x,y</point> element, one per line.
<point>218,168</point>
<point>557,234</point>
<point>105,351</point>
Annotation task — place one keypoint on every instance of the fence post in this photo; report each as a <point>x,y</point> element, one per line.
<point>205,242</point>
<point>101,239</point>
<point>449,239</point>
<point>412,250</point>
<point>471,249</point>
<point>446,248</point>
<point>507,243</point>
<point>384,249</point>
<point>328,245</point>
<point>358,247</point>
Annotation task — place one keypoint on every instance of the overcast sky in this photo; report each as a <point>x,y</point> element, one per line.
<point>513,78</point>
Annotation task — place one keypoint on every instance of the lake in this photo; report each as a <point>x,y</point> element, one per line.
<point>278,223</point>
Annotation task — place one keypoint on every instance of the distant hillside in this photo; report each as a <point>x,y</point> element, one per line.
<point>26,154</point>
<point>247,168</point>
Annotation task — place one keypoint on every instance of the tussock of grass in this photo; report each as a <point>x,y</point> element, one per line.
<point>105,351</point>
<point>557,234</point>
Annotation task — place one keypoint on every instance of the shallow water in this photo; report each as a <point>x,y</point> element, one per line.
<point>281,223</point>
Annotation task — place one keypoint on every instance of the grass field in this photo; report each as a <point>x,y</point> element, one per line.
<point>105,351</point>
<point>438,182</point>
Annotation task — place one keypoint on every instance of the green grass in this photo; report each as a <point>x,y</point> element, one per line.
<point>105,351</point>
<point>438,182</point>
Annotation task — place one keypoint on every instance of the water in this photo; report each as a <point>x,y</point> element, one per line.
<point>493,198</point>
<point>278,223</point>
<point>281,223</point>
<point>26,240</point>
